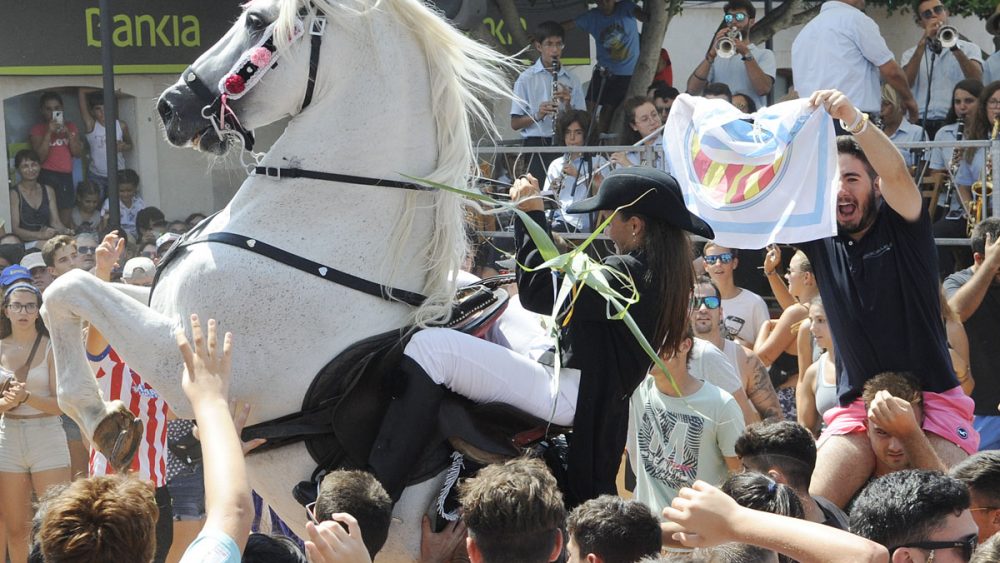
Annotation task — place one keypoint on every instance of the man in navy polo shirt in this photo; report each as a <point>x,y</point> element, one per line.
<point>878,279</point>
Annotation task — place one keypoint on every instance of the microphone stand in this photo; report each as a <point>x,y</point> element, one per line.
<point>595,114</point>
<point>922,165</point>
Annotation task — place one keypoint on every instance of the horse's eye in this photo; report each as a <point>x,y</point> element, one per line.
<point>255,22</point>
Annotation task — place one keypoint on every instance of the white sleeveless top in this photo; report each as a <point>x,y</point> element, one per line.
<point>99,150</point>
<point>37,381</point>
<point>826,393</point>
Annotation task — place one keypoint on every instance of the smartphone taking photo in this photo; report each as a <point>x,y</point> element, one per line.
<point>57,116</point>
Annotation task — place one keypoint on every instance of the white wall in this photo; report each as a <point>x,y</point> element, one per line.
<point>178,181</point>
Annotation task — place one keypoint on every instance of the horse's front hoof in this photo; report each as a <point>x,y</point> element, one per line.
<point>117,437</point>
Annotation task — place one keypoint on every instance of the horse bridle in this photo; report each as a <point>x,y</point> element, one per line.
<point>250,68</point>
<point>248,71</point>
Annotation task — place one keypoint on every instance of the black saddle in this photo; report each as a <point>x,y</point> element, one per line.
<point>343,407</point>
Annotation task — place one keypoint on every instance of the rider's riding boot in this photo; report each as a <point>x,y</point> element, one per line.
<point>409,424</point>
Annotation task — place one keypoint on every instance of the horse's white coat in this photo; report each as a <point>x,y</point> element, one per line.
<point>393,95</point>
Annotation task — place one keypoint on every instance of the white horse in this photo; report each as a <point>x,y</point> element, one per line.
<point>397,92</point>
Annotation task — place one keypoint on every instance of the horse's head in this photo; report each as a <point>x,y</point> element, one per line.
<point>267,51</point>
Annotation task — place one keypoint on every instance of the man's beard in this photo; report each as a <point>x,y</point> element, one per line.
<point>871,208</point>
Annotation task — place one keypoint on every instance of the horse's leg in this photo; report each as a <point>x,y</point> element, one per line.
<point>143,337</point>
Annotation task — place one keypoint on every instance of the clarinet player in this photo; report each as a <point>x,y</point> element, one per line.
<point>541,92</point>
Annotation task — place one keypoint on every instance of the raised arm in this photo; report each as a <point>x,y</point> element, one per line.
<point>704,516</point>
<point>772,260</point>
<point>771,343</point>
<point>895,182</point>
<point>206,380</point>
<point>966,299</point>
<point>81,99</point>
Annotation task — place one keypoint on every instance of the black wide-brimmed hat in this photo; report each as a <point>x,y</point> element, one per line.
<point>658,197</point>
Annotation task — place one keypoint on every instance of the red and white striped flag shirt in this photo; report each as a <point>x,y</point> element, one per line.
<point>118,382</point>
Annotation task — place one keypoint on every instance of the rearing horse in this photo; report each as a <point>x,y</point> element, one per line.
<point>392,89</point>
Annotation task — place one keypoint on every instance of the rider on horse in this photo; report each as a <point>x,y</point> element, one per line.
<point>602,362</point>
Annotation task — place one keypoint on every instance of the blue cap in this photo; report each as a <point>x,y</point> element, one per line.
<point>15,273</point>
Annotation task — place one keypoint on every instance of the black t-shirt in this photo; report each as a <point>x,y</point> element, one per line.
<point>982,327</point>
<point>882,301</point>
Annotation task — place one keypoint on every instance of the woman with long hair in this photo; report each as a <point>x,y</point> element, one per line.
<point>602,363</point>
<point>776,344</point>
<point>817,388</point>
<point>572,176</point>
<point>33,212</point>
<point>948,217</point>
<point>642,120</point>
<point>33,451</point>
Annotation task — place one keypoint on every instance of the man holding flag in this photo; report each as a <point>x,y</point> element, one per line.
<point>878,279</point>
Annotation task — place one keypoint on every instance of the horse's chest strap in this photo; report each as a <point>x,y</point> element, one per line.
<point>314,268</point>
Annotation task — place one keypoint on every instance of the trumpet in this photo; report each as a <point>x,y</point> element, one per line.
<point>726,46</point>
<point>947,37</point>
<point>982,190</point>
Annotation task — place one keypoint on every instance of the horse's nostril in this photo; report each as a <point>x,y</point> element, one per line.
<point>166,112</point>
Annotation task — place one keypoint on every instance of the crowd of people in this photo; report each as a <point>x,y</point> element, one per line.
<point>843,408</point>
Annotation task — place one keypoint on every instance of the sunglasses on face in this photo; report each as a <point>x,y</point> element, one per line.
<point>931,12</point>
<point>709,301</point>
<point>86,249</point>
<point>740,17</point>
<point>967,545</point>
<point>725,258</point>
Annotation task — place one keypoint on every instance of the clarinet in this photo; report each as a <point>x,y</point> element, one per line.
<point>554,69</point>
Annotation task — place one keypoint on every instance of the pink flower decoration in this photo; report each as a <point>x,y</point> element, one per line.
<point>260,57</point>
<point>235,84</point>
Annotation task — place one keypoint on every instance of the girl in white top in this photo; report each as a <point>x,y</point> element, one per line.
<point>33,451</point>
<point>573,177</point>
<point>817,389</point>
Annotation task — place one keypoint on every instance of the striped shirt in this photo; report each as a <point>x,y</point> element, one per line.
<point>118,382</point>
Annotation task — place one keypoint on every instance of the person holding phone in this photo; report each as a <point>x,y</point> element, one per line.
<point>57,141</point>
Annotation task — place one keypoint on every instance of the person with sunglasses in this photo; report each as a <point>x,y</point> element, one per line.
<point>86,246</point>
<point>930,66</point>
<point>706,320</point>
<point>745,311</point>
<point>843,49</point>
<point>919,515</point>
<point>751,70</point>
<point>981,474</point>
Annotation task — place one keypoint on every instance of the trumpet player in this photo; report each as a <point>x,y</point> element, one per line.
<point>541,91</point>
<point>741,65</point>
<point>953,59</point>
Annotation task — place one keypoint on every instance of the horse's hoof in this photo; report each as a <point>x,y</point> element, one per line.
<point>117,437</point>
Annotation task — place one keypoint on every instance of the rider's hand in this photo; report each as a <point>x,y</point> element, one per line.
<point>525,193</point>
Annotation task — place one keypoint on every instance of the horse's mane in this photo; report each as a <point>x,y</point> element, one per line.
<point>462,73</point>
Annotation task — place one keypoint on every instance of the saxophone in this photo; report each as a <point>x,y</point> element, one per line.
<point>981,190</point>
